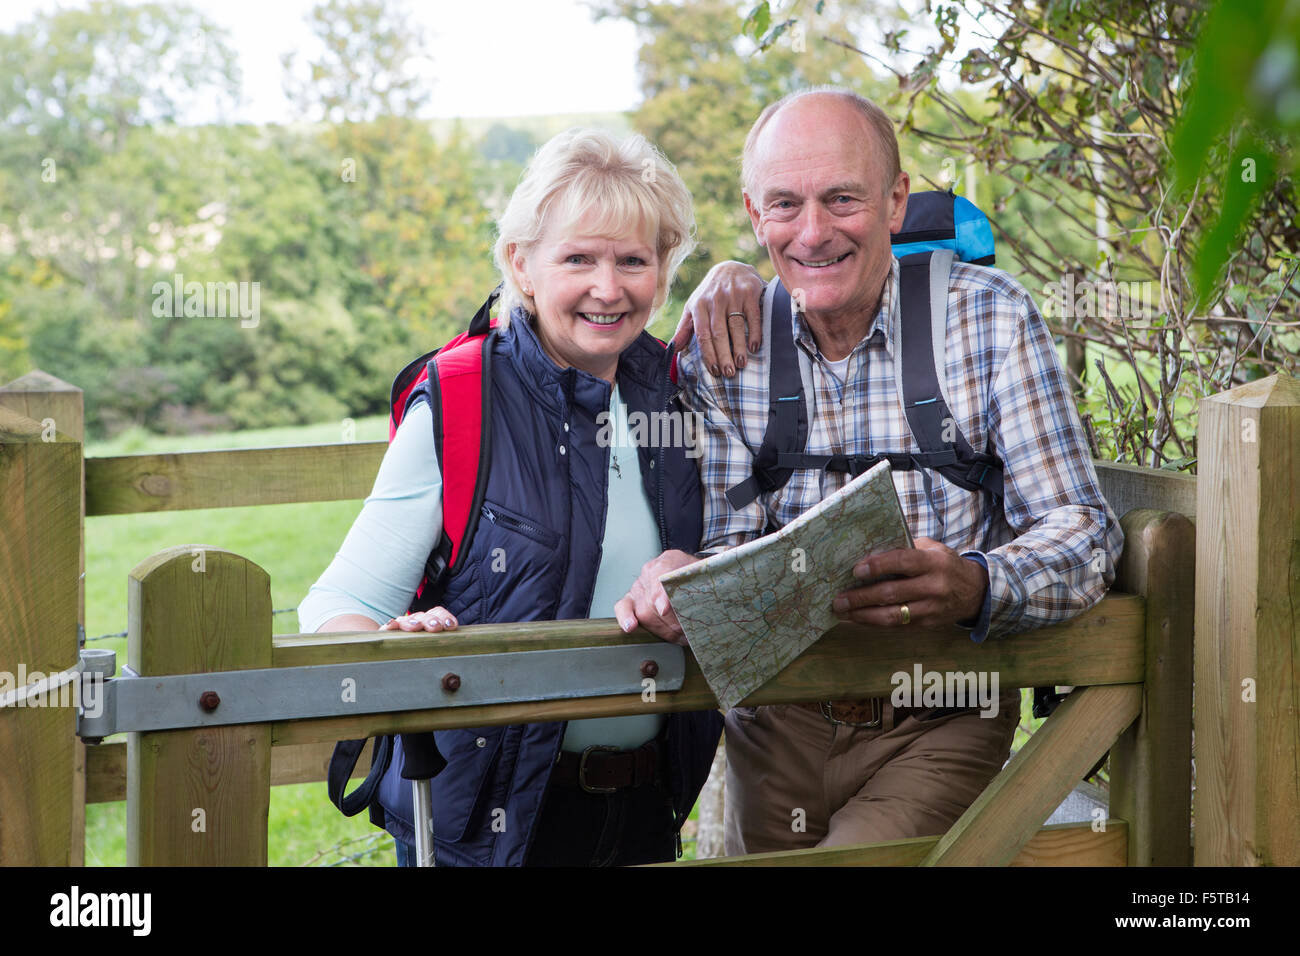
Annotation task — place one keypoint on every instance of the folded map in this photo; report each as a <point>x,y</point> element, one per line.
<point>750,611</point>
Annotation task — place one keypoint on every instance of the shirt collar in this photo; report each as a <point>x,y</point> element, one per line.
<point>885,320</point>
<point>642,366</point>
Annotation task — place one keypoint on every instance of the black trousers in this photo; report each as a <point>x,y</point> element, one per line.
<point>576,828</point>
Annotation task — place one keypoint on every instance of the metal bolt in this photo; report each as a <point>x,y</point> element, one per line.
<point>209,700</point>
<point>451,683</point>
<point>649,668</point>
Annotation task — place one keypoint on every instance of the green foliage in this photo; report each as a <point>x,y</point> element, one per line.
<point>78,80</point>
<point>367,242</point>
<point>363,70</point>
<point>1258,40</point>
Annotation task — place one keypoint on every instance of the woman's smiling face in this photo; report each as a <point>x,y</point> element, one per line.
<point>593,292</point>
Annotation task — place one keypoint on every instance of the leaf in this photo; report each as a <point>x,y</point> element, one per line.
<point>756,23</point>
<point>1231,42</point>
<point>1249,176</point>
<point>775,33</point>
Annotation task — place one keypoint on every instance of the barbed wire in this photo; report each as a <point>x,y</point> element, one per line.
<point>374,843</point>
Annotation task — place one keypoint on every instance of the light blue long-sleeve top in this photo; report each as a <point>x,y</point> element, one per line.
<point>381,561</point>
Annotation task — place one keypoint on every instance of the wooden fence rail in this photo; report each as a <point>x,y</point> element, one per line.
<point>240,477</point>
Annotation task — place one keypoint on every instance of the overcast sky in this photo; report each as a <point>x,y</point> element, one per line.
<point>490,57</point>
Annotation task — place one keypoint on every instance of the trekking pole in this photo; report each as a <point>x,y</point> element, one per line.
<point>422,762</point>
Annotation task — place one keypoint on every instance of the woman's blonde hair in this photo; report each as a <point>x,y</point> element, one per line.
<point>615,184</point>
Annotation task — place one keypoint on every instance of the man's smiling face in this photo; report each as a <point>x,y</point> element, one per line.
<point>820,207</point>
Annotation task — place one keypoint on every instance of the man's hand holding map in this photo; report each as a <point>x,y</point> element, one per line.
<point>751,610</point>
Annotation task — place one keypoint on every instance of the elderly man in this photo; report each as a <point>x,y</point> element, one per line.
<point>824,191</point>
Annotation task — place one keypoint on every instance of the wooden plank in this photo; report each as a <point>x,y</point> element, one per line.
<point>128,484</point>
<point>198,796</point>
<point>1013,807</point>
<point>309,763</point>
<point>106,772</point>
<point>1104,645</point>
<point>1062,844</point>
<point>1077,844</point>
<point>1247,690</point>
<point>40,480</point>
<point>38,724</point>
<point>299,763</point>
<point>1151,763</point>
<point>1127,487</point>
<point>52,402</point>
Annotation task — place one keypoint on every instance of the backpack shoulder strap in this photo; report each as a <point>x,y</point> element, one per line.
<point>787,409</point>
<point>343,761</point>
<point>460,388</point>
<point>922,351</point>
<point>923,322</point>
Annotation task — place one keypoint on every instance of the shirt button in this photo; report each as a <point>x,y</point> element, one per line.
<point>480,742</point>
<point>561,449</point>
<point>566,426</point>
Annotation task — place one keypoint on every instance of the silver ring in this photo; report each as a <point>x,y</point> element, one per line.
<point>741,314</point>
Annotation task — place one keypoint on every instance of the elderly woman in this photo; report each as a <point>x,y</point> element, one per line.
<point>588,245</point>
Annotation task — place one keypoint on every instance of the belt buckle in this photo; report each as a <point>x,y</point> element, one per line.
<point>582,769</point>
<point>876,714</point>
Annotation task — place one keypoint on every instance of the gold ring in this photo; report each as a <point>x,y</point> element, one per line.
<point>907,615</point>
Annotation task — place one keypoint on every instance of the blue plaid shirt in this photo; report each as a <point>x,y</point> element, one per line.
<point>1050,548</point>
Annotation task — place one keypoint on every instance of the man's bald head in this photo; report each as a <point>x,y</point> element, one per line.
<point>879,126</point>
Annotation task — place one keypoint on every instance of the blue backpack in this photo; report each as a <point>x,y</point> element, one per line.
<point>938,227</point>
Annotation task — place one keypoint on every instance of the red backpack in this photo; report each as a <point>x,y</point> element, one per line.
<point>460,380</point>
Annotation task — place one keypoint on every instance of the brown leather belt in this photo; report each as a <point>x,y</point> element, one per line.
<point>859,713</point>
<point>607,769</point>
<point>868,712</point>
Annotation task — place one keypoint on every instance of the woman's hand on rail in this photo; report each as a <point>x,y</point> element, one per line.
<point>647,603</point>
<point>435,619</point>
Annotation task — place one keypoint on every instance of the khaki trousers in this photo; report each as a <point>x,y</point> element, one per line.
<point>795,780</point>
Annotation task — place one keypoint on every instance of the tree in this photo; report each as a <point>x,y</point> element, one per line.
<point>366,67</point>
<point>1079,110</point>
<point>86,194</point>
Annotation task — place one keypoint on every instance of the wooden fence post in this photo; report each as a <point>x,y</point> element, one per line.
<point>40,471</point>
<point>1151,763</point>
<point>1248,626</point>
<point>45,399</point>
<point>200,796</point>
